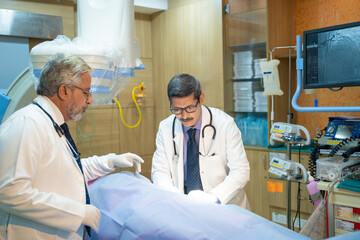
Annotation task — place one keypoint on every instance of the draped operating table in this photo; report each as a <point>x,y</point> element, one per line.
<point>134,208</point>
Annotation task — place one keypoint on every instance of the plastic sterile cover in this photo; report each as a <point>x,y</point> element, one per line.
<point>110,73</point>
<point>134,208</point>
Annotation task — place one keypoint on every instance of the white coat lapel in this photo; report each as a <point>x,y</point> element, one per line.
<point>179,143</point>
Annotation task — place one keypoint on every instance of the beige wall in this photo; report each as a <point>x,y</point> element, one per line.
<point>187,38</point>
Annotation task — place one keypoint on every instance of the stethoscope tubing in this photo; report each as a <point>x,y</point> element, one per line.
<point>59,131</point>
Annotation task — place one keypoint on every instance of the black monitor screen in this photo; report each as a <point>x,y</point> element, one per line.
<point>332,56</point>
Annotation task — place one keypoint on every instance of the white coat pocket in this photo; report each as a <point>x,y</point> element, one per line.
<point>212,170</point>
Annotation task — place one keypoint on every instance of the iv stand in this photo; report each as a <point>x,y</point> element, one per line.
<point>288,144</point>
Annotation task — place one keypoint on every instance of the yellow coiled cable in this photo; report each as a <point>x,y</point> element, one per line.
<point>121,114</point>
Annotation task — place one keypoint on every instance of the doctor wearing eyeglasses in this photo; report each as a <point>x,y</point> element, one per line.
<point>43,180</point>
<point>199,149</point>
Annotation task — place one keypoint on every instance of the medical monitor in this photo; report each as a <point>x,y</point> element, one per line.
<point>332,56</point>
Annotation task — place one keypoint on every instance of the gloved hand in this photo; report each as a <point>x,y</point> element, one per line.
<point>92,217</point>
<point>125,160</point>
<point>202,196</point>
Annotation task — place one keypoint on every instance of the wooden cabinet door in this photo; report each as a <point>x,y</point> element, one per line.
<point>256,189</point>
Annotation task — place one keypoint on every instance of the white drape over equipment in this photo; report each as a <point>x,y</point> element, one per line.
<point>105,41</point>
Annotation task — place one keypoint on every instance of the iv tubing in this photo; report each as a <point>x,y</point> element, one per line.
<point>299,68</point>
<point>272,96</point>
<point>122,118</point>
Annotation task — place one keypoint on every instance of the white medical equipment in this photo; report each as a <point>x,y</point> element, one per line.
<point>285,168</point>
<point>333,168</point>
<point>105,41</point>
<point>287,132</point>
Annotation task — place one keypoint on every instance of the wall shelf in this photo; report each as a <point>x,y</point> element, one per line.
<point>249,46</point>
<point>245,79</point>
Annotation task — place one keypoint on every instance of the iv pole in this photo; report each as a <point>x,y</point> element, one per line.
<point>288,144</point>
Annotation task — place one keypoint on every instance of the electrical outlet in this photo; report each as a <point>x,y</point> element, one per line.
<point>279,218</point>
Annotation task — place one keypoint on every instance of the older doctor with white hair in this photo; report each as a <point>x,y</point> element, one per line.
<point>43,181</point>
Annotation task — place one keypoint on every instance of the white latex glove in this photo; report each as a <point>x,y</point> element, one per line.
<point>202,196</point>
<point>92,217</point>
<point>125,160</point>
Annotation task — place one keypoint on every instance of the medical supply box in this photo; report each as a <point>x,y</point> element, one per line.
<point>331,168</point>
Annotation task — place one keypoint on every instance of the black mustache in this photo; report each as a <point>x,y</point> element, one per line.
<point>186,119</point>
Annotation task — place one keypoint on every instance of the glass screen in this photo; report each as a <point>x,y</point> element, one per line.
<point>344,131</point>
<point>332,57</point>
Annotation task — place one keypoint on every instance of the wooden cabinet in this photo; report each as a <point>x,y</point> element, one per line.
<point>245,28</point>
<point>256,189</point>
<point>251,29</point>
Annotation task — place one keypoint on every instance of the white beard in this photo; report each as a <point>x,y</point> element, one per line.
<point>75,114</point>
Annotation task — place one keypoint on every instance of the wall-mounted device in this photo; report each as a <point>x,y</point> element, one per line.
<point>339,129</point>
<point>287,132</point>
<point>287,169</point>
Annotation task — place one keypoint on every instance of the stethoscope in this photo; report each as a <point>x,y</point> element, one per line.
<point>59,131</point>
<point>202,135</point>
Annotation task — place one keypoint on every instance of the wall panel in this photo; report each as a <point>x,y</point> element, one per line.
<point>142,31</point>
<point>187,38</point>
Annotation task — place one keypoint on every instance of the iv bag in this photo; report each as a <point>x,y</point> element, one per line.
<point>271,77</point>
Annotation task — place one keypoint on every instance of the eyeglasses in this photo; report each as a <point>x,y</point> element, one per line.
<point>87,93</point>
<point>188,109</point>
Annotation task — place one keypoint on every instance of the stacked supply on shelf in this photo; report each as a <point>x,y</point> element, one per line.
<point>246,97</point>
<point>246,66</point>
<point>261,103</point>
<point>253,129</point>
<point>243,65</point>
<point>257,68</point>
<point>243,96</point>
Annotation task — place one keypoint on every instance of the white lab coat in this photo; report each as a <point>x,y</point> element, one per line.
<point>42,194</point>
<point>224,175</point>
